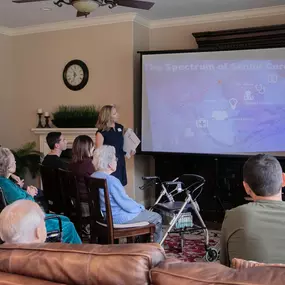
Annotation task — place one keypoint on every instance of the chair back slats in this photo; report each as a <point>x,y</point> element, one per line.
<point>94,186</point>
<point>3,202</point>
<point>69,187</point>
<point>52,189</point>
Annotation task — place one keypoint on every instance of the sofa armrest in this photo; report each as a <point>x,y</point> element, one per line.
<point>241,264</point>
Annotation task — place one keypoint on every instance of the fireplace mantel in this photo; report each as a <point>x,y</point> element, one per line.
<point>69,133</point>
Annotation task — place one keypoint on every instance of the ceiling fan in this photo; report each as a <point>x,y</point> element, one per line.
<point>85,7</point>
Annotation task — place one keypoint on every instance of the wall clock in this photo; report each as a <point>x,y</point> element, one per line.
<point>75,75</point>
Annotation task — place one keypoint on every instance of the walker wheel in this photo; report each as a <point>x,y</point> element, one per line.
<point>212,254</point>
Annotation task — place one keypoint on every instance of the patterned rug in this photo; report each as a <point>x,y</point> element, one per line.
<point>194,245</point>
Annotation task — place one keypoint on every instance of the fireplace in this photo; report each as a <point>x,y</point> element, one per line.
<point>69,133</point>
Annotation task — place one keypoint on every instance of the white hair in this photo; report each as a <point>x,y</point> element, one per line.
<point>103,156</point>
<point>19,221</point>
<point>6,161</point>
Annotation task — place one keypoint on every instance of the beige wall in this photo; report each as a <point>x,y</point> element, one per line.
<point>6,76</point>
<point>180,37</point>
<point>38,61</point>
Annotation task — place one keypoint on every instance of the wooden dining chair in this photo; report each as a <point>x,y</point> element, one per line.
<point>70,188</point>
<point>52,190</point>
<point>103,230</point>
<point>3,202</point>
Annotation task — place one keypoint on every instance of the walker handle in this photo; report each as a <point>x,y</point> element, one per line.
<point>149,177</point>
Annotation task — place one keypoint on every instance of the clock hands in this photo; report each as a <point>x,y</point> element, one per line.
<point>75,75</point>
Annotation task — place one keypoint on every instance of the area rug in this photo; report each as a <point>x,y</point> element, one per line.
<point>194,245</point>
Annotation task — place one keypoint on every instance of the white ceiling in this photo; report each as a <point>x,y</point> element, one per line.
<point>19,15</point>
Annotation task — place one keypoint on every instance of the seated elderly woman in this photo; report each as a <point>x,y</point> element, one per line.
<point>23,221</point>
<point>13,192</point>
<point>124,209</point>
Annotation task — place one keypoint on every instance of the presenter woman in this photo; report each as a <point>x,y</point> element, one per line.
<point>111,133</point>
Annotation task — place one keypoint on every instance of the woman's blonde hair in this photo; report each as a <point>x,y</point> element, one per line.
<point>6,159</point>
<point>104,121</point>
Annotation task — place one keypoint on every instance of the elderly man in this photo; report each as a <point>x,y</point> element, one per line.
<point>256,231</point>
<point>22,222</point>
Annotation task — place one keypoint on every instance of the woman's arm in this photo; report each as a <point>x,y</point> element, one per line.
<point>99,139</point>
<point>18,180</point>
<point>120,196</point>
<point>12,193</point>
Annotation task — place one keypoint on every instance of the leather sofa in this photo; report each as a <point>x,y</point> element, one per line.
<point>129,264</point>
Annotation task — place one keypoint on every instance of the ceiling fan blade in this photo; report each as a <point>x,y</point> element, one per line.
<point>26,1</point>
<point>82,14</point>
<point>144,5</point>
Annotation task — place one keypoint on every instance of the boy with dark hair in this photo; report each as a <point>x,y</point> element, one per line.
<point>57,143</point>
<point>256,231</point>
<point>52,139</point>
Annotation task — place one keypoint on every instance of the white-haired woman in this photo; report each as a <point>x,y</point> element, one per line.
<point>13,192</point>
<point>124,209</point>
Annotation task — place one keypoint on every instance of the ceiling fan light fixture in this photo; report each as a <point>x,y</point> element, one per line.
<point>46,9</point>
<point>85,6</point>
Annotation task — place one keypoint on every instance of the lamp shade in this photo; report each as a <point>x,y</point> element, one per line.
<point>85,6</point>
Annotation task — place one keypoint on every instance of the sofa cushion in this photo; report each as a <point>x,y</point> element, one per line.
<point>82,264</point>
<point>214,274</point>
<point>14,279</point>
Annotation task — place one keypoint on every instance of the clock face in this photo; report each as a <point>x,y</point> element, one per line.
<point>75,75</point>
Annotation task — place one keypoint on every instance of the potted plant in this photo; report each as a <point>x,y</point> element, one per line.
<point>27,159</point>
<point>76,116</point>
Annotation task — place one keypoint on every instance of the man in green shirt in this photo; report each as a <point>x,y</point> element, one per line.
<point>256,231</point>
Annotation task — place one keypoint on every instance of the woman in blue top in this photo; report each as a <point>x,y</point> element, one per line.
<point>124,209</point>
<point>13,192</point>
<point>111,133</point>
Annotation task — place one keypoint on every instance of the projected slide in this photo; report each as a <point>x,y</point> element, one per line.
<point>213,106</point>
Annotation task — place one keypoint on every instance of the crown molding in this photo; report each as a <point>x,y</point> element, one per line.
<point>4,31</point>
<point>219,17</point>
<point>152,24</point>
<point>73,24</point>
<point>142,21</point>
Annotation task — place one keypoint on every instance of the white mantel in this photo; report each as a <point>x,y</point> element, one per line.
<point>69,133</point>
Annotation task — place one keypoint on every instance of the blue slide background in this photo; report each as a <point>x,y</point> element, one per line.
<point>213,106</point>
